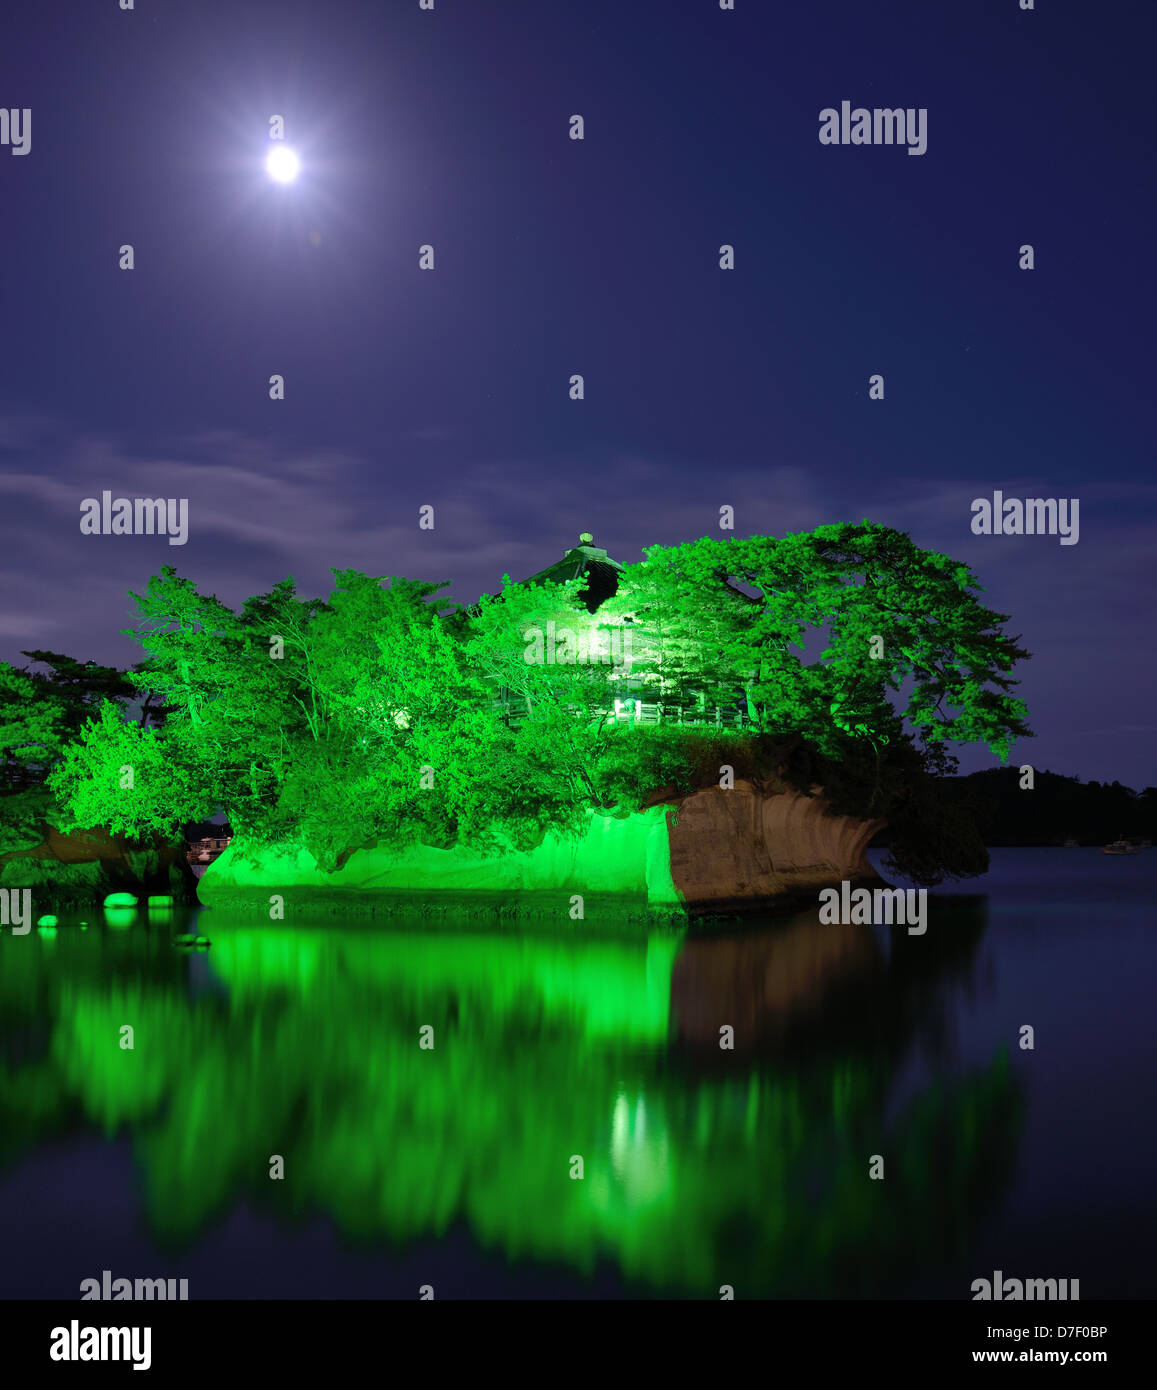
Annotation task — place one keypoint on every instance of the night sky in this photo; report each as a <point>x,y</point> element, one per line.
<point>554,256</point>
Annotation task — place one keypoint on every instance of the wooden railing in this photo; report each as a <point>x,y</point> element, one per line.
<point>640,712</point>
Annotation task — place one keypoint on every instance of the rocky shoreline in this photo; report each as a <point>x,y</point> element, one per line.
<point>715,852</point>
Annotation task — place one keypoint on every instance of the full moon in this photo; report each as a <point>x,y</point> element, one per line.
<point>282,164</point>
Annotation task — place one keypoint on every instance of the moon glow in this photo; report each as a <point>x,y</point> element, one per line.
<point>282,164</point>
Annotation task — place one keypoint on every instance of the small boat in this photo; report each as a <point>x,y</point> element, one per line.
<point>1072,844</point>
<point>1121,847</point>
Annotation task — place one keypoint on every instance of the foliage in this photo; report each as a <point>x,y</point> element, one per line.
<point>42,711</point>
<point>122,775</point>
<point>374,716</point>
<point>892,615</point>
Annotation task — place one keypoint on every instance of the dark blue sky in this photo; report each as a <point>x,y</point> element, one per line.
<point>553,256</point>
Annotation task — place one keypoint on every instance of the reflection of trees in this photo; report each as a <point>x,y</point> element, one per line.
<point>41,982</point>
<point>544,1049</point>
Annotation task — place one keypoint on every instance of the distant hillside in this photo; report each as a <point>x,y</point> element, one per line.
<point>1058,808</point>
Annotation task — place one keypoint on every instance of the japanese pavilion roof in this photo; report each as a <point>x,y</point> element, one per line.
<point>588,559</point>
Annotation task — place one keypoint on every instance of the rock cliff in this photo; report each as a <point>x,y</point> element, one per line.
<point>712,851</point>
<point>744,846</point>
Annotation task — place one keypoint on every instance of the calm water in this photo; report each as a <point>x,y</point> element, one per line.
<point>701,1167</point>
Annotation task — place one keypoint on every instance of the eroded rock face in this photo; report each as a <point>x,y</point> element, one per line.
<point>713,851</point>
<point>736,848</point>
<point>90,863</point>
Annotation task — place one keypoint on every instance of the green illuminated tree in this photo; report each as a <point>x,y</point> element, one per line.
<point>889,615</point>
<point>41,712</point>
<point>364,719</point>
<point>381,716</point>
<point>859,658</point>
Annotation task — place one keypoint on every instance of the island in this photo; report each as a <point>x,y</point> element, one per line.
<point>722,726</point>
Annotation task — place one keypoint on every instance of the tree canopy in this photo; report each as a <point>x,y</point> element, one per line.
<point>891,616</point>
<point>372,716</point>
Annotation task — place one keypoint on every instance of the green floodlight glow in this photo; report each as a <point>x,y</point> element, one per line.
<point>160,900</point>
<point>120,900</point>
<point>615,990</point>
<point>120,918</point>
<point>46,931</point>
<point>48,920</point>
<point>412,726</point>
<point>544,1048</point>
<point>623,856</point>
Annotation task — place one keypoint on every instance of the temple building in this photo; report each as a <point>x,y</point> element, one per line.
<point>643,697</point>
<point>586,558</point>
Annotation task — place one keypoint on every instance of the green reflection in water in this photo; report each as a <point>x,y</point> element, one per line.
<point>700,1168</point>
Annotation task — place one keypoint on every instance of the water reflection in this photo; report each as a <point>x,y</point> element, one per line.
<point>701,1166</point>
